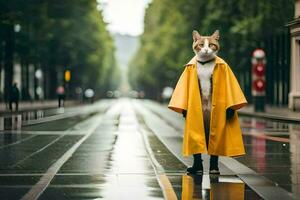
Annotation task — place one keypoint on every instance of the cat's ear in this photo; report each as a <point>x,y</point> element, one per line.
<point>216,35</point>
<point>196,35</point>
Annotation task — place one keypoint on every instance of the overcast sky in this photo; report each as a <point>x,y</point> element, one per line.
<point>124,16</point>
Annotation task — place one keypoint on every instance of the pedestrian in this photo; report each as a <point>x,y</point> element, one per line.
<point>208,95</point>
<point>60,95</point>
<point>14,97</point>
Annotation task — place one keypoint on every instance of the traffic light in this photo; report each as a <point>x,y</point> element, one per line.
<point>259,82</point>
<point>259,79</point>
<point>67,75</point>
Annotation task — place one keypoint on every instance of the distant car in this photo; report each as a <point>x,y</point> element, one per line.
<point>133,94</point>
<point>110,94</point>
<point>89,95</point>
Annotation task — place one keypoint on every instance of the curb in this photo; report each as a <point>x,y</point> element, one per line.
<point>269,116</point>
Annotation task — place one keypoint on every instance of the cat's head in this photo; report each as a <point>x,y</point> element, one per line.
<point>206,47</point>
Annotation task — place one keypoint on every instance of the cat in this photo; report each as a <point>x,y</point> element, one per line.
<point>205,49</point>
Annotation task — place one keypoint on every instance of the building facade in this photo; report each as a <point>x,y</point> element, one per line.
<point>294,95</point>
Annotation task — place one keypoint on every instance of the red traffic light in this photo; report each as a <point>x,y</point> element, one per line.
<point>259,85</point>
<point>258,61</point>
<point>259,69</point>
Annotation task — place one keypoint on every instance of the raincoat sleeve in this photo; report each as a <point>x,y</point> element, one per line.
<point>179,98</point>
<point>235,98</point>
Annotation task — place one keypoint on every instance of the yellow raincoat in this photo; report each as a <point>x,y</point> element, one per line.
<point>225,135</point>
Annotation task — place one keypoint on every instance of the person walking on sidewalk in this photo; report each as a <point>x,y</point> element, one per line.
<point>208,95</point>
<point>61,95</point>
<point>14,97</point>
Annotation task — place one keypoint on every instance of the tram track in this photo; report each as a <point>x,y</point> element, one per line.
<point>265,133</point>
<point>16,146</point>
<point>254,180</point>
<point>17,142</point>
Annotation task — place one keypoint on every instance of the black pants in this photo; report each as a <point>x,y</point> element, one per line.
<point>61,100</point>
<point>11,104</point>
<point>197,157</point>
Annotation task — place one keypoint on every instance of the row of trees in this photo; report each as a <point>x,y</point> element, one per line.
<point>54,36</point>
<point>167,39</point>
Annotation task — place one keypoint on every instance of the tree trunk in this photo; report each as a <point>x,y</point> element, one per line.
<point>1,63</point>
<point>8,61</point>
<point>53,82</point>
<point>25,81</point>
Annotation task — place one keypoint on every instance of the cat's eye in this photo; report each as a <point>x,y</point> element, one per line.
<point>211,45</point>
<point>201,45</point>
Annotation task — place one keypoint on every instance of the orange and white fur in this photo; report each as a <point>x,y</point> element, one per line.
<point>205,48</point>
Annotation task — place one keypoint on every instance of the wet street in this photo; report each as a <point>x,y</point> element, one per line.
<point>131,149</point>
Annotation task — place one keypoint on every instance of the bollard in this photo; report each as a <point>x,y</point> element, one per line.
<point>258,79</point>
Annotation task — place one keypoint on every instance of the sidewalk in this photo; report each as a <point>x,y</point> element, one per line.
<point>271,112</point>
<point>34,105</point>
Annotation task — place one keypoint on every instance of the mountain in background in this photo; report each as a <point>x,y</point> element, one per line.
<point>126,47</point>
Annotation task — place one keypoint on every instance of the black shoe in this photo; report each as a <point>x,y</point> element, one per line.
<point>195,170</point>
<point>214,170</point>
<point>197,167</point>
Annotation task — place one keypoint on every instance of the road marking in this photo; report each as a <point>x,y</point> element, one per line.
<point>258,183</point>
<point>69,113</point>
<point>36,152</point>
<point>163,180</point>
<point>68,131</point>
<point>167,187</point>
<point>45,180</point>
<point>85,174</point>
<point>17,142</point>
<point>41,133</point>
<point>37,174</point>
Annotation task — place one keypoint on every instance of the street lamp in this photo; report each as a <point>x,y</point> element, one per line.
<point>38,90</point>
<point>38,73</point>
<point>17,28</point>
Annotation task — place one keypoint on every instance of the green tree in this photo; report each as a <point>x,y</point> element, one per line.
<point>56,36</point>
<point>166,41</point>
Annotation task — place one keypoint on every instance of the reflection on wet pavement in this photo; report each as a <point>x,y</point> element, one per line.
<point>273,150</point>
<point>193,188</point>
<point>115,162</point>
<point>111,164</point>
<point>268,145</point>
<point>188,186</point>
